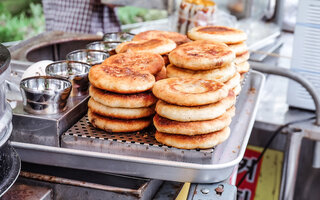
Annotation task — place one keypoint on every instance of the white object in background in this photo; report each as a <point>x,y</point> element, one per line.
<point>37,69</point>
<point>306,53</point>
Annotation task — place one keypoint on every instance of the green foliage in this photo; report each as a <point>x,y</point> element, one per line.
<point>21,26</point>
<point>131,14</point>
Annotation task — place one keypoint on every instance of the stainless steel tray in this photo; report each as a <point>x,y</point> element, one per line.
<point>143,157</point>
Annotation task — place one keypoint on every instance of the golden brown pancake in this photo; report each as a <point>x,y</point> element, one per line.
<point>138,61</point>
<point>242,58</point>
<point>121,113</point>
<point>136,100</point>
<point>201,55</point>
<point>159,46</point>
<point>117,125</point>
<point>203,141</point>
<point>221,74</point>
<point>162,74</point>
<point>189,91</point>
<point>239,48</point>
<point>165,125</point>
<point>234,81</point>
<point>195,113</point>
<point>153,34</point>
<point>223,34</point>
<point>243,67</point>
<point>120,79</point>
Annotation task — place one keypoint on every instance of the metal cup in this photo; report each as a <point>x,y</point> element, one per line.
<point>118,37</point>
<point>91,57</point>
<point>45,94</point>
<point>76,72</point>
<point>106,46</point>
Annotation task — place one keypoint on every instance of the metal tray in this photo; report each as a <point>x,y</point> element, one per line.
<point>143,157</point>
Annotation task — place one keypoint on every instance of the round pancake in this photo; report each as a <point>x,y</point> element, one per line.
<point>176,37</point>
<point>239,48</point>
<point>236,90</point>
<point>162,74</point>
<point>121,113</point>
<point>243,67</point>
<point>203,141</point>
<point>165,125</point>
<point>195,113</point>
<point>201,55</point>
<point>159,46</point>
<point>117,125</point>
<point>221,74</point>
<point>223,34</point>
<point>120,79</point>
<point>189,91</point>
<point>242,58</point>
<point>137,100</point>
<point>234,81</point>
<point>150,62</point>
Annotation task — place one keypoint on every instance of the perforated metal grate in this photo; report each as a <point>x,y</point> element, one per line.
<point>83,128</point>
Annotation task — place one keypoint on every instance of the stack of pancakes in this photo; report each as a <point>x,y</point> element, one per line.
<point>234,38</point>
<point>121,98</point>
<point>192,113</point>
<point>209,60</point>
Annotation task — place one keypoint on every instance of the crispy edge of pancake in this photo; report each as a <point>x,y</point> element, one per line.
<point>162,74</point>
<point>158,46</point>
<point>221,74</point>
<point>234,81</point>
<point>237,90</point>
<point>243,58</point>
<point>239,48</point>
<point>203,141</point>
<point>165,125</point>
<point>117,125</point>
<point>120,113</point>
<point>120,79</point>
<point>111,99</point>
<point>138,61</point>
<point>189,91</point>
<point>243,67</point>
<point>201,55</point>
<point>195,113</point>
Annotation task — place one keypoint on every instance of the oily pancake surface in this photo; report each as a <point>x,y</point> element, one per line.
<point>111,99</point>
<point>189,91</point>
<point>176,37</point>
<point>121,113</point>
<point>117,125</point>
<point>195,113</point>
<point>159,46</point>
<point>201,55</point>
<point>120,79</point>
<point>165,125</point>
<point>138,61</point>
<point>223,34</point>
<point>221,74</point>
<point>203,141</point>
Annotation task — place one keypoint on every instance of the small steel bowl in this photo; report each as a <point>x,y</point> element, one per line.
<point>45,94</point>
<point>76,72</point>
<point>118,37</point>
<point>104,46</point>
<point>91,57</point>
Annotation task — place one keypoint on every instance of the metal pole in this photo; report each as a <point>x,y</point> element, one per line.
<point>269,69</point>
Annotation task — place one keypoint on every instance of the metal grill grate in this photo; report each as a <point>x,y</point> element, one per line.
<point>83,128</point>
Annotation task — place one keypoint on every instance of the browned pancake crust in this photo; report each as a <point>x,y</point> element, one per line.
<point>117,125</point>
<point>195,127</point>
<point>137,100</point>
<point>120,79</point>
<point>203,141</point>
<point>139,61</point>
<point>166,59</point>
<point>189,91</point>
<point>176,37</point>
<point>201,55</point>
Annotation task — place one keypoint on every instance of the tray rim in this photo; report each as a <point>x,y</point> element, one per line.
<point>152,161</point>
